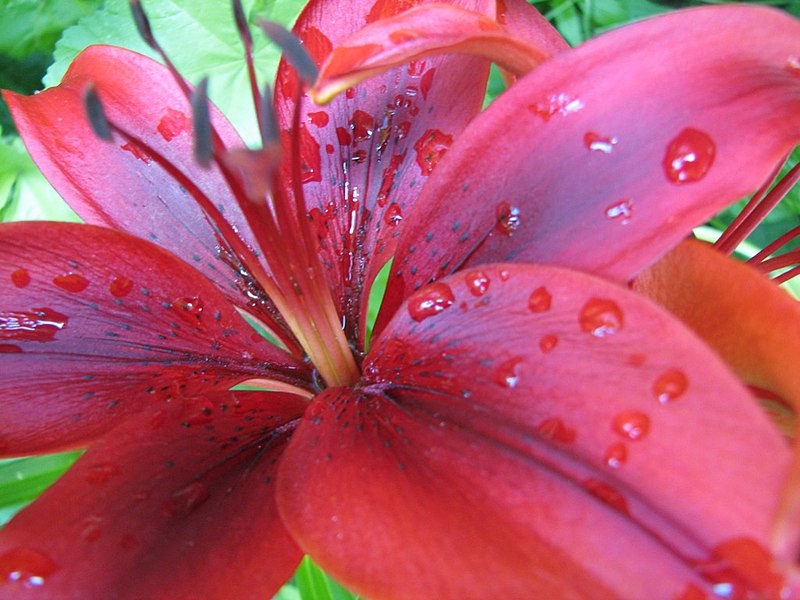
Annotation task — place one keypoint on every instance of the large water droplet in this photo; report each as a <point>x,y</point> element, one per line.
<point>670,385</point>
<point>632,425</point>
<point>20,278</point>
<point>26,567</point>
<point>319,118</point>
<point>793,64</point>
<point>172,124</point>
<point>187,499</point>
<point>607,494</point>
<point>430,301</point>
<point>616,455</point>
<point>540,300</point>
<point>71,282</point>
<point>621,211</point>
<point>548,343</point>
<point>508,219</point>
<point>477,282</point>
<point>599,143</point>
<point>393,215</point>
<point>556,104</point>
<point>120,287</point>
<point>507,374</point>
<point>190,309</point>
<point>556,430</point>
<point>601,317</point>
<point>430,148</point>
<point>38,325</point>
<point>689,156</point>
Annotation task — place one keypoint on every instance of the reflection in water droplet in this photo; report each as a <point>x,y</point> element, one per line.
<point>616,455</point>
<point>187,499</point>
<point>38,325</point>
<point>621,212</point>
<point>190,309</point>
<point>556,104</point>
<point>508,219</point>
<point>689,156</point>
<point>507,374</point>
<point>631,425</point>
<point>430,148</point>
<point>548,343</point>
<point>601,317</point>
<point>430,301</point>
<point>554,429</point>
<point>670,385</point>
<point>599,143</point>
<point>477,282</point>
<point>393,215</point>
<point>25,567</point>
<point>20,278</point>
<point>71,282</point>
<point>120,287</point>
<point>540,300</point>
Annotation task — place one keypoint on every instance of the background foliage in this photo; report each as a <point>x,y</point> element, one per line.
<point>40,38</point>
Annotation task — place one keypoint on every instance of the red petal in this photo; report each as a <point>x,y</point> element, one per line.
<point>634,137</point>
<point>542,434</point>
<point>162,509</point>
<point>366,155</point>
<point>426,30</point>
<point>102,324</point>
<point>118,184</point>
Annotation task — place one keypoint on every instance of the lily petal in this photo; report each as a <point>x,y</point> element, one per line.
<point>103,324</point>
<point>523,431</point>
<point>121,184</point>
<point>635,136</point>
<point>196,518</point>
<point>367,154</point>
<point>426,30</point>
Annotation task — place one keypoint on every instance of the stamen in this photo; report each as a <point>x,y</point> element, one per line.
<point>247,41</point>
<point>270,133</point>
<point>201,120</point>
<point>95,113</point>
<point>293,50</point>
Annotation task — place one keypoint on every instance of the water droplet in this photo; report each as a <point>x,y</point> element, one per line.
<point>631,425</point>
<point>120,287</point>
<point>430,301</point>
<point>670,385</point>
<point>363,125</point>
<point>616,455</point>
<point>101,473</point>
<point>187,499</point>
<point>20,278</point>
<point>190,309</point>
<point>742,568</point>
<point>26,567</point>
<point>689,156</point>
<point>172,124</point>
<point>393,215</point>
<point>430,148</point>
<point>343,136</point>
<point>621,211</point>
<point>554,429</point>
<point>477,282</point>
<point>540,300</point>
<point>508,219</point>
<point>599,143</point>
<point>38,325</point>
<point>607,494</point>
<point>71,282</point>
<point>793,64</point>
<point>319,118</point>
<point>137,152</point>
<point>601,317</point>
<point>92,528</point>
<point>548,343</point>
<point>426,82</point>
<point>507,374</point>
<point>311,167</point>
<point>556,104</point>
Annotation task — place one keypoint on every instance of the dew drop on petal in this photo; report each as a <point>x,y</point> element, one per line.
<point>540,300</point>
<point>477,282</point>
<point>599,143</point>
<point>430,148</point>
<point>607,494</point>
<point>793,64</point>
<point>548,343</point>
<point>507,374</point>
<point>393,215</point>
<point>172,124</point>
<point>120,287</point>
<point>26,567</point>
<point>556,104</point>
<point>430,301</point>
<point>670,385</point>
<point>187,499</point>
<point>689,156</point>
<point>621,211</point>
<point>319,118</point>
<point>616,455</point>
<point>92,528</point>
<point>37,325</point>
<point>190,309</point>
<point>71,282</point>
<point>554,429</point>
<point>20,278</point>
<point>508,219</point>
<point>601,317</point>
<point>631,425</point>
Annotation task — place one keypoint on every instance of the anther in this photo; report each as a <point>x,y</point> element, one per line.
<point>201,120</point>
<point>95,113</point>
<point>293,50</point>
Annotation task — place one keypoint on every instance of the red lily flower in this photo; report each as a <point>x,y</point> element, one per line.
<point>523,428</point>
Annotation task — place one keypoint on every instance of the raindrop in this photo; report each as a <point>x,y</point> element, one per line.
<point>20,278</point>
<point>506,374</point>
<point>138,152</point>
<point>430,148</point>
<point>631,425</point>
<point>554,429</point>
<point>548,343</point>
<point>26,567</point>
<point>599,143</point>
<point>609,495</point>
<point>689,156</point>
<point>670,385</point>
<point>191,309</point>
<point>71,282</point>
<point>616,455</point>
<point>477,282</point>
<point>363,125</point>
<point>120,287</point>
<point>39,325</point>
<point>426,82</point>
<point>430,301</point>
<point>320,118</point>
<point>508,219</point>
<point>793,64</point>
<point>101,473</point>
<point>622,211</point>
<point>92,528</point>
<point>393,215</point>
<point>187,499</point>
<point>540,300</point>
<point>601,317</point>
<point>172,124</point>
<point>556,104</point>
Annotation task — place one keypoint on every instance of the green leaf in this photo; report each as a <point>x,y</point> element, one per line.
<point>199,36</point>
<point>313,584</point>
